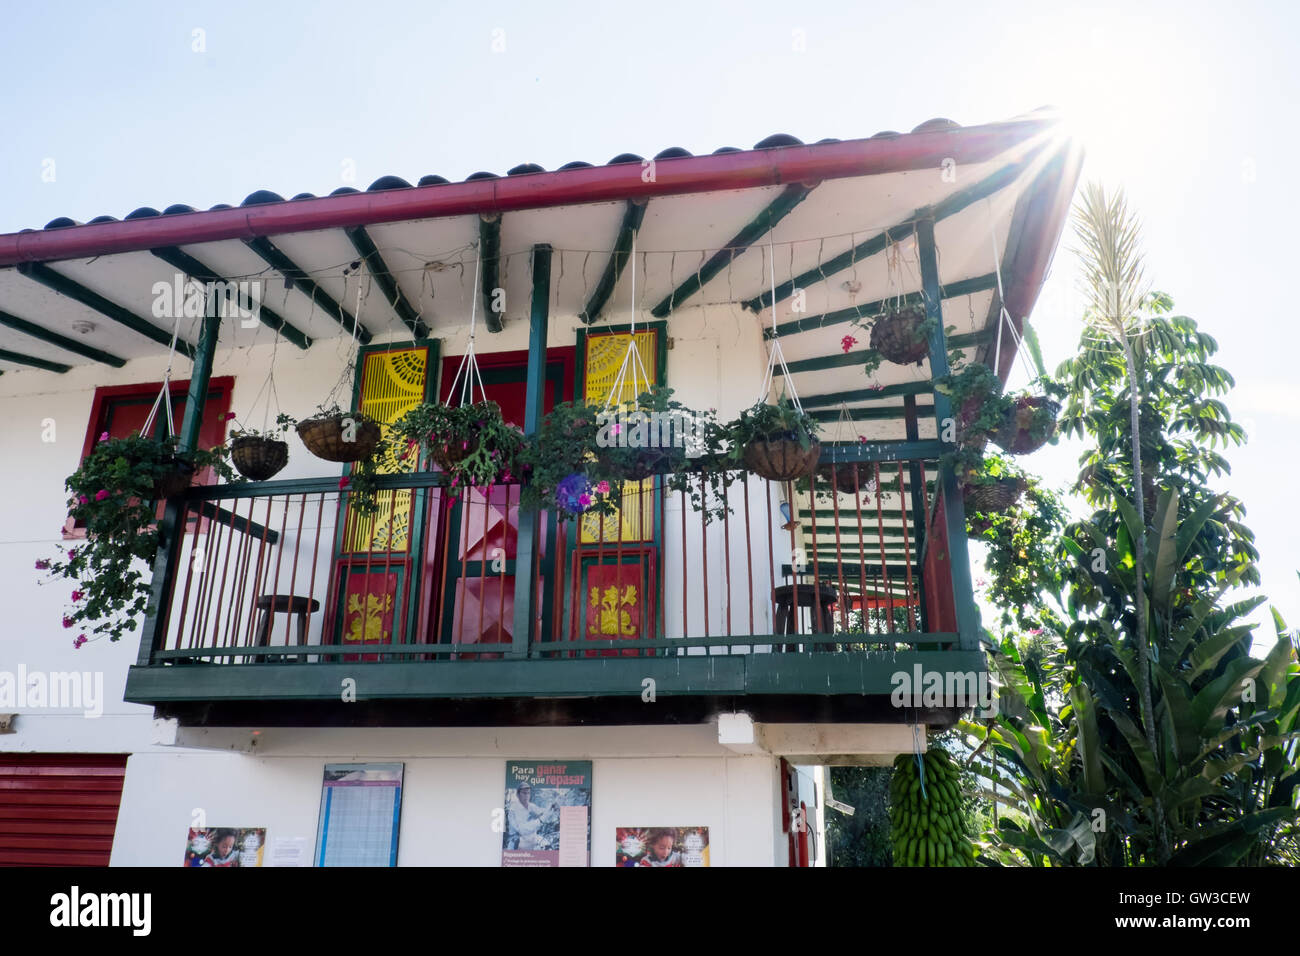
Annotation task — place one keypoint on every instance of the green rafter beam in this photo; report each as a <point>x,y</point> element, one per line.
<point>876,244</point>
<point>197,271</point>
<point>277,260</point>
<point>820,363</point>
<point>865,311</point>
<point>764,222</point>
<point>489,255</point>
<point>632,218</point>
<point>53,338</point>
<point>860,414</point>
<point>865,394</point>
<point>386,281</point>
<point>39,272</point>
<point>19,359</point>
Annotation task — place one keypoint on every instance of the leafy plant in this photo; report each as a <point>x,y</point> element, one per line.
<point>113,494</point>
<point>472,443</point>
<point>766,421</point>
<point>283,422</point>
<point>977,402</point>
<point>561,468</point>
<point>1023,560</point>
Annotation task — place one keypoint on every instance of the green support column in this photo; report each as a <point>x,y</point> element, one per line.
<point>954,511</point>
<point>526,551</point>
<point>170,531</point>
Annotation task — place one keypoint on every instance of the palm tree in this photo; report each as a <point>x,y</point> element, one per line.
<point>1115,287</point>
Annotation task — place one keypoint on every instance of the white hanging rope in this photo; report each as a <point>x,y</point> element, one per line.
<point>632,357</point>
<point>1004,317</point>
<point>468,362</point>
<point>776,355</point>
<point>164,393</point>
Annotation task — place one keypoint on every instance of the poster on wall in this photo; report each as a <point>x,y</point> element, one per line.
<point>225,846</point>
<point>360,810</point>
<point>547,813</point>
<point>662,846</point>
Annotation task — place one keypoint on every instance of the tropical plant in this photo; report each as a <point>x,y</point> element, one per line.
<point>114,494</point>
<point>1023,561</point>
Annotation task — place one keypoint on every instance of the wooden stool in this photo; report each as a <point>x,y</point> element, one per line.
<point>272,604</point>
<point>818,598</point>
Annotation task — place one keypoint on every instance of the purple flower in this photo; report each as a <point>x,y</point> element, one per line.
<point>584,499</point>
<point>42,564</point>
<point>80,639</point>
<point>78,595</point>
<point>67,621</point>
<point>72,554</point>
<point>573,493</point>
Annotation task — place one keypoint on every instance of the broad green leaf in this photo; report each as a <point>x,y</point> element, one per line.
<point>1162,544</point>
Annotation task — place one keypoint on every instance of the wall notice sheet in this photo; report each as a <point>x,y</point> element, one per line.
<point>547,813</point>
<point>360,809</point>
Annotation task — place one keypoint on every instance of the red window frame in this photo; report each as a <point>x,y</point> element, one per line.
<point>215,408</point>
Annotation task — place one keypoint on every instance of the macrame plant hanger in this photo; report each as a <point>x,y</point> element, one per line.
<point>632,363</point>
<point>1004,317</point>
<point>467,374</point>
<point>775,354</point>
<point>164,393</point>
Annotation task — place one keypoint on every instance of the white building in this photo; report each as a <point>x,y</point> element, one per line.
<point>691,713</point>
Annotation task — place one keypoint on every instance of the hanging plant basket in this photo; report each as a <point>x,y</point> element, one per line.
<point>991,498</point>
<point>781,458</point>
<point>899,336</point>
<point>451,454</point>
<point>174,481</point>
<point>1027,425</point>
<point>258,458</point>
<point>841,478</point>
<point>324,436</point>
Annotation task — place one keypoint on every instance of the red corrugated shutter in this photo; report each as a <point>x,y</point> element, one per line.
<point>59,809</point>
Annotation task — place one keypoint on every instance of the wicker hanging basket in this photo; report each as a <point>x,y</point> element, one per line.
<point>1028,425</point>
<point>897,336</point>
<point>258,458</point>
<point>841,478</point>
<point>324,437</point>
<point>448,456</point>
<point>175,481</point>
<point>781,459</point>
<point>994,498</point>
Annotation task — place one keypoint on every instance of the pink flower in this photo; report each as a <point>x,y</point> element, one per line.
<point>847,343</point>
<point>83,500</point>
<point>584,499</point>
<point>505,476</point>
<point>615,429</point>
<point>228,416</point>
<point>862,439</point>
<point>42,564</point>
<point>103,436</point>
<point>67,621</point>
<point>464,445</point>
<point>101,494</point>
<point>78,595</point>
<point>603,487</point>
<point>81,639</point>
<point>72,554</point>
<point>344,481</point>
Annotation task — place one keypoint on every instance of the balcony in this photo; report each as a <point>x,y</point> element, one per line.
<point>280,605</point>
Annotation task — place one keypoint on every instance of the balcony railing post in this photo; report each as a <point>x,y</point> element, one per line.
<point>171,528</point>
<point>529,537</point>
<point>954,511</point>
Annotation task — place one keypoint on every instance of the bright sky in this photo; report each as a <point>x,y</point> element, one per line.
<point>1188,105</point>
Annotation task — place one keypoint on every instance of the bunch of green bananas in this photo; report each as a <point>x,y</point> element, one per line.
<point>928,830</point>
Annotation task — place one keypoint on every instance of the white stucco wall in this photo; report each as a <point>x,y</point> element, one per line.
<point>454,779</point>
